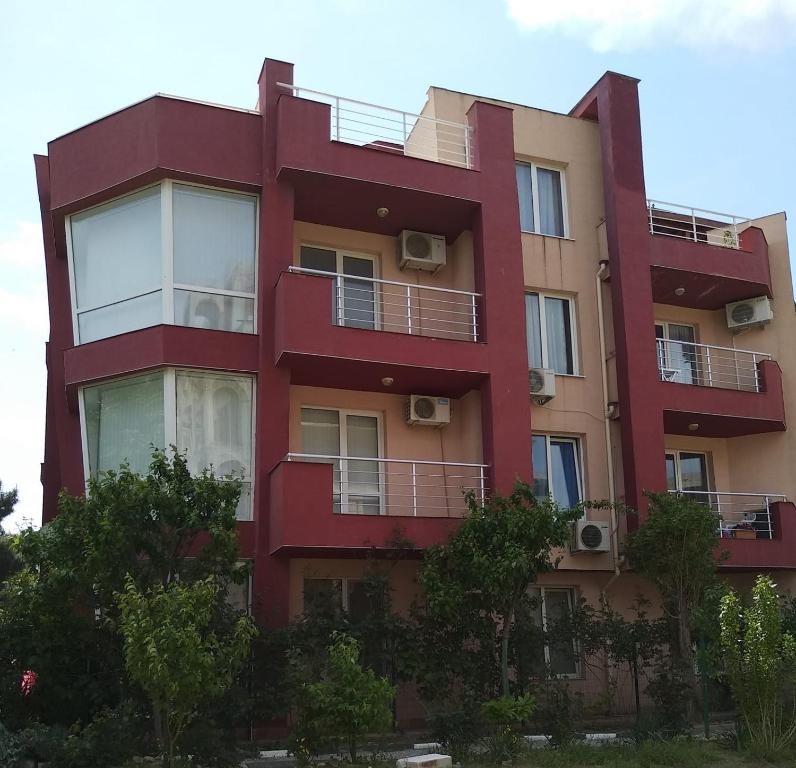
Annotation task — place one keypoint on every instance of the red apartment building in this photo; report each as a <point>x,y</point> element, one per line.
<point>363,312</point>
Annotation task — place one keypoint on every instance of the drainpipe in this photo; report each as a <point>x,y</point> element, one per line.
<point>601,273</point>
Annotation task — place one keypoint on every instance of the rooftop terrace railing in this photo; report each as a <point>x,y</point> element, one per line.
<point>743,515</point>
<point>695,224</point>
<point>393,130</point>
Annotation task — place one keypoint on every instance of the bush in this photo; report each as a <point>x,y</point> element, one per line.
<point>42,743</point>
<point>10,748</point>
<point>346,703</point>
<point>457,732</point>
<point>670,690</point>
<point>559,712</point>
<point>505,715</point>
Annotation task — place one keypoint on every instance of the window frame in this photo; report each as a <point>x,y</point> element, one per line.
<point>676,452</point>
<point>570,299</point>
<point>340,254</point>
<point>561,170</point>
<point>576,441</point>
<point>571,593</point>
<point>342,413</point>
<point>345,589</point>
<point>170,416</point>
<point>167,285</point>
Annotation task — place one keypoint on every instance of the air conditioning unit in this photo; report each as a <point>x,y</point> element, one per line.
<point>419,250</point>
<point>542,384</point>
<point>749,313</point>
<point>591,537</point>
<point>432,411</point>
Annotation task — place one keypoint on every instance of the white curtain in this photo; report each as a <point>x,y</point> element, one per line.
<point>559,335</point>
<point>362,437</point>
<point>123,421</point>
<point>320,435</point>
<point>214,236</point>
<point>551,211</point>
<point>533,330</point>
<point>525,195</point>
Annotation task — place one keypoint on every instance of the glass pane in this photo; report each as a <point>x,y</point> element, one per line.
<point>563,660</point>
<point>564,472</point>
<point>214,423</point>
<point>214,236</point>
<point>320,435</point>
<point>238,596</point>
<point>359,296</point>
<point>559,335</point>
<point>359,608</point>
<point>551,210</point>
<point>362,477</point>
<point>124,420</point>
<point>130,315</point>
<point>321,259</point>
<point>116,250</point>
<point>671,472</point>
<point>323,596</point>
<point>207,310</point>
<point>681,353</point>
<point>525,195</point>
<point>533,330</point>
<point>694,474</point>
<point>541,485</point>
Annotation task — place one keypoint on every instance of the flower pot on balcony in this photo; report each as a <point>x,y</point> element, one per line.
<point>744,533</point>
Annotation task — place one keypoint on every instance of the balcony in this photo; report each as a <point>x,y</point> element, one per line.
<point>349,332</point>
<point>758,530</point>
<point>345,158</point>
<point>345,503</point>
<point>704,259</point>
<point>714,391</point>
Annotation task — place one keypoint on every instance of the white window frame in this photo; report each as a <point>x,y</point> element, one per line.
<point>678,473</point>
<point>167,286</point>
<point>577,442</point>
<point>345,589</point>
<point>342,414</point>
<point>534,166</point>
<point>571,597</point>
<point>340,254</point>
<point>170,415</point>
<point>570,299</point>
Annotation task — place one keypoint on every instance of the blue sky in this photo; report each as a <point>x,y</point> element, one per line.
<point>718,111</point>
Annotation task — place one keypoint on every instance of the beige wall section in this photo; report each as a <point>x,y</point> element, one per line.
<point>754,463</point>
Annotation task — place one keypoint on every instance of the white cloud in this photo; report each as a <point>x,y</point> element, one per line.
<point>630,24</point>
<point>22,248</point>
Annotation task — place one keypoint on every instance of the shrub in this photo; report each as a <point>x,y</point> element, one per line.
<point>760,659</point>
<point>457,732</point>
<point>559,712</point>
<point>505,716</point>
<point>670,690</point>
<point>346,703</point>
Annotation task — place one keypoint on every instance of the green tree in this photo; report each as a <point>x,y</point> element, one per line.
<point>474,584</point>
<point>173,652</point>
<point>675,549</point>
<point>760,659</point>
<point>59,614</point>
<point>8,563</point>
<point>347,702</point>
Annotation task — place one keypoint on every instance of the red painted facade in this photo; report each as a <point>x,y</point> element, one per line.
<point>284,153</point>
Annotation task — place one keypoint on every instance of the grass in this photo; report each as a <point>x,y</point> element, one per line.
<point>651,754</point>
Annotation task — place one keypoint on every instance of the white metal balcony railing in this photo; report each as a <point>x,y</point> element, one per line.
<point>400,487</point>
<point>392,130</point>
<point>695,224</point>
<point>387,305</point>
<point>743,515</point>
<point>708,365</point>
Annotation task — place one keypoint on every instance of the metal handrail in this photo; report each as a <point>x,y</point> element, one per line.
<point>688,223</point>
<point>291,456</point>
<point>741,515</point>
<point>404,126</point>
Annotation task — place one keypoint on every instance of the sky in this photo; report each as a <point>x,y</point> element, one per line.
<point>717,106</point>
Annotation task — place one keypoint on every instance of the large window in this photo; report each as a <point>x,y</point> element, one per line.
<point>549,332</point>
<point>174,253</point>
<point>556,469</point>
<point>552,612</point>
<point>357,482</point>
<point>542,198</point>
<point>209,416</point>
<point>333,595</point>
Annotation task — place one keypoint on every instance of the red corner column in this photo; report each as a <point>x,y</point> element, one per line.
<point>497,251</point>
<point>271,574</point>
<point>613,103</point>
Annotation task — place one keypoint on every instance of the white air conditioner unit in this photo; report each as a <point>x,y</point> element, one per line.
<point>432,411</point>
<point>591,537</point>
<point>749,313</point>
<point>419,250</point>
<point>542,384</point>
